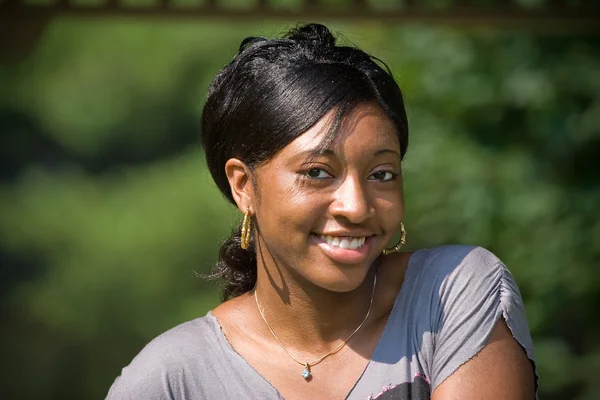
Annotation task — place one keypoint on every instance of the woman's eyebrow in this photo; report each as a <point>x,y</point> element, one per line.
<point>315,153</point>
<point>384,151</point>
<point>310,154</point>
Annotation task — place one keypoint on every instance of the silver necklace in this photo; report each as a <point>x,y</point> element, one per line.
<point>306,373</point>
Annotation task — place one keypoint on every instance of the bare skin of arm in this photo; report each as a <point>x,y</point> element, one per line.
<point>500,371</point>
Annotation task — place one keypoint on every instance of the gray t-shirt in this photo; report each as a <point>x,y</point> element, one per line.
<point>451,299</point>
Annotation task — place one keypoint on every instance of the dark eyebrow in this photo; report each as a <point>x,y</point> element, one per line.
<point>314,153</point>
<point>384,151</point>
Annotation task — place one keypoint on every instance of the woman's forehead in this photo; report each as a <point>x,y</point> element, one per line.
<point>366,128</point>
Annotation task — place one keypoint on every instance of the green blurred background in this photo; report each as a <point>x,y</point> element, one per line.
<point>108,214</point>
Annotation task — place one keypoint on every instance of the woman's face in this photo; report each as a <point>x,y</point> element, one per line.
<point>325,216</point>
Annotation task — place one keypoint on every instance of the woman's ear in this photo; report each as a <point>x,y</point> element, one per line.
<point>238,175</point>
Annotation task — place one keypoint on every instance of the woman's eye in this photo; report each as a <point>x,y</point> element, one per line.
<point>317,173</point>
<point>384,176</point>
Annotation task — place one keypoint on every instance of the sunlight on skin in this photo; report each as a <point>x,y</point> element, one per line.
<point>500,371</point>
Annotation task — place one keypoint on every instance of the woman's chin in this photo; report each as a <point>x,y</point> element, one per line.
<point>341,280</point>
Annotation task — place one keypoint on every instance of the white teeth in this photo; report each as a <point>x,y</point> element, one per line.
<point>344,242</point>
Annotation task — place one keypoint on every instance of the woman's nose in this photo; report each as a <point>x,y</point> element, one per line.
<point>351,201</point>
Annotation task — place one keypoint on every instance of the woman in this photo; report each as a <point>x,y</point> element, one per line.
<point>306,138</point>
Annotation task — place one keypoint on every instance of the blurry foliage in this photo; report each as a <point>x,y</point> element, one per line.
<point>107,212</point>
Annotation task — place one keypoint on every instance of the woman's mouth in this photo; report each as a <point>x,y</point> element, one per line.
<point>345,249</point>
<point>344,242</point>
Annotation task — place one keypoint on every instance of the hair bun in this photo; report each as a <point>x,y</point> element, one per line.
<point>249,41</point>
<point>316,34</point>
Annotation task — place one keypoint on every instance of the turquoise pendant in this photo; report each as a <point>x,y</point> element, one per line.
<point>306,372</point>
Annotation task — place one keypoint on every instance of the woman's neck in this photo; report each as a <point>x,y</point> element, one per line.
<point>308,318</point>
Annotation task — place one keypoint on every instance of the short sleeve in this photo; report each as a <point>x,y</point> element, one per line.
<point>167,368</point>
<point>474,294</point>
<point>194,360</point>
<point>150,376</point>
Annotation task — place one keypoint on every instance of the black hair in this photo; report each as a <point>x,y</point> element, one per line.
<point>272,92</point>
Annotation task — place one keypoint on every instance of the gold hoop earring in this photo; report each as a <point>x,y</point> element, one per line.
<point>401,243</point>
<point>246,226</point>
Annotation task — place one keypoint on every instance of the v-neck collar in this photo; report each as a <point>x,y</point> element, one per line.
<point>382,339</point>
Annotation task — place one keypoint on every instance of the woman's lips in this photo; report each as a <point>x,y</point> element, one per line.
<point>345,249</point>
<point>344,242</point>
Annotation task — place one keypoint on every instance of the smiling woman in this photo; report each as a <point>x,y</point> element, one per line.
<point>307,139</point>
<point>347,193</point>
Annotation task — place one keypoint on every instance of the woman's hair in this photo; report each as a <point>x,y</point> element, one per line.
<point>271,93</point>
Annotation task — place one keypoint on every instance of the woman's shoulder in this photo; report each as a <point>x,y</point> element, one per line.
<point>173,356</point>
<point>458,253</point>
<point>426,272</point>
<point>176,343</point>
<point>457,274</point>
<point>461,292</point>
<point>454,262</point>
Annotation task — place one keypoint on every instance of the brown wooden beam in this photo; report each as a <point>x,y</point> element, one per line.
<point>19,35</point>
<point>21,25</point>
<point>550,19</point>
<point>263,4</point>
